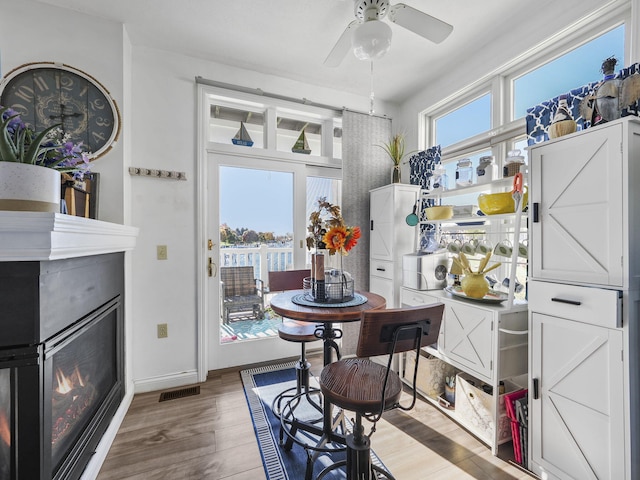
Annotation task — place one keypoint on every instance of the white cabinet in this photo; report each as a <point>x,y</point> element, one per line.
<point>583,302</point>
<point>577,419</point>
<point>578,209</point>
<point>390,238</point>
<point>489,342</point>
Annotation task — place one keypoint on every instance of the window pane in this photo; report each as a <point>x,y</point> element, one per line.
<point>249,220</point>
<point>572,70</point>
<point>464,122</point>
<point>450,167</point>
<point>317,187</point>
<point>226,125</point>
<point>337,141</point>
<point>289,132</point>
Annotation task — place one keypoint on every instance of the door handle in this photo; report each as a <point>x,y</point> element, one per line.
<point>212,268</point>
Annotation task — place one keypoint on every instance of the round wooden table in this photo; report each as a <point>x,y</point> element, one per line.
<point>283,305</point>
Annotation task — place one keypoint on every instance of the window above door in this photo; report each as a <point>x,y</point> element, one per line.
<point>260,124</point>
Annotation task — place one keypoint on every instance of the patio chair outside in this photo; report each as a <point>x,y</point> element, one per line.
<point>242,292</point>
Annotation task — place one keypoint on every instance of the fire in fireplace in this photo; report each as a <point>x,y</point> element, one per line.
<point>71,398</point>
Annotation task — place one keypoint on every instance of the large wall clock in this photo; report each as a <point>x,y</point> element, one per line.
<point>46,94</point>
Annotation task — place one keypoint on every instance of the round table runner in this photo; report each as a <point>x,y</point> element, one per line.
<point>302,299</point>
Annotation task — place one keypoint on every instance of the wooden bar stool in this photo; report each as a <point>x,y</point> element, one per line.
<point>368,388</point>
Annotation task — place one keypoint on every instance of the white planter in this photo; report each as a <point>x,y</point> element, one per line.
<point>29,188</point>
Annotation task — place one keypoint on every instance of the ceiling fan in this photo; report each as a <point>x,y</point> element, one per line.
<point>369,37</point>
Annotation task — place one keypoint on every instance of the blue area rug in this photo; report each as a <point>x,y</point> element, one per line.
<point>261,386</point>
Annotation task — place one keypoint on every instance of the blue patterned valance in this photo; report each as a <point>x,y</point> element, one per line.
<point>540,116</point>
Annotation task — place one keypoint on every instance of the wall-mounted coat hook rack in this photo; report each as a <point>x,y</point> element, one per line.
<point>152,172</point>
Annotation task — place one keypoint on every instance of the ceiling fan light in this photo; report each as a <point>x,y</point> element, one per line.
<point>371,40</point>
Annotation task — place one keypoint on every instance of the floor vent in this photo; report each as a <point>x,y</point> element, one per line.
<point>183,392</point>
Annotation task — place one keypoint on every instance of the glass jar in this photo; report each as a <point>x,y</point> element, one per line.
<point>487,170</point>
<point>440,179</point>
<point>513,164</point>
<point>464,173</point>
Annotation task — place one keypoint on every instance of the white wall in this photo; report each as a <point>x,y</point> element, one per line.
<point>36,32</point>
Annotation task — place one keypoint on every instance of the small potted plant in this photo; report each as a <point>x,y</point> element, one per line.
<point>395,148</point>
<point>31,164</point>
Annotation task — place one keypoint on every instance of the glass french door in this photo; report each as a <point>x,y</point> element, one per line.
<point>257,212</point>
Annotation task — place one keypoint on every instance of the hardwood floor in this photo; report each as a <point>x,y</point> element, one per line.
<point>210,436</point>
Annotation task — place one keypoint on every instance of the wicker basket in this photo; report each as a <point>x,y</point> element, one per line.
<point>338,287</point>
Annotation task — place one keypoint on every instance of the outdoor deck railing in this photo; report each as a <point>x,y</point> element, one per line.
<point>263,258</point>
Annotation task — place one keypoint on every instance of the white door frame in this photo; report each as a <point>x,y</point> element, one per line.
<point>309,166</point>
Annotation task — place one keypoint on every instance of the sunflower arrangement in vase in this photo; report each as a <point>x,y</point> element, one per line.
<point>328,231</point>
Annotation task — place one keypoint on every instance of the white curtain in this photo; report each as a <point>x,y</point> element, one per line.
<point>364,166</point>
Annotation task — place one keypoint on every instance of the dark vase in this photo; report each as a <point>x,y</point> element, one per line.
<point>395,176</point>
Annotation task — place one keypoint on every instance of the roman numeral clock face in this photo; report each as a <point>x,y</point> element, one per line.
<point>46,94</point>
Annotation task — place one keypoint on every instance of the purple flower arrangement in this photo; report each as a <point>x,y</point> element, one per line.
<point>51,148</point>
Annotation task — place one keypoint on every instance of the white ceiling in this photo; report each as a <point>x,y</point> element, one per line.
<point>292,38</point>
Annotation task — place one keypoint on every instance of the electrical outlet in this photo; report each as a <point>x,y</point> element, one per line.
<point>161,252</point>
<point>163,330</point>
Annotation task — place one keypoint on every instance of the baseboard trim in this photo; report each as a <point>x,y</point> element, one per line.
<point>166,381</point>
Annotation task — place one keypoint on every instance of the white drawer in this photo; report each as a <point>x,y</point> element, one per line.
<point>381,268</point>
<point>595,306</point>
<point>414,298</point>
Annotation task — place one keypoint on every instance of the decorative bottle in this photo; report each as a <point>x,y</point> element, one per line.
<point>563,122</point>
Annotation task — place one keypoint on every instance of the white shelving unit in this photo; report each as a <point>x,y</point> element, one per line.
<point>484,341</point>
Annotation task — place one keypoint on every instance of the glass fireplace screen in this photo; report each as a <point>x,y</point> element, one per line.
<point>5,424</point>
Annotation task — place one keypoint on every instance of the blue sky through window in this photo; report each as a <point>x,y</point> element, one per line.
<point>464,122</point>
<point>572,70</point>
<point>259,200</point>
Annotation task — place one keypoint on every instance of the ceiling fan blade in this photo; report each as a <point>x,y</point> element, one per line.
<point>342,46</point>
<point>419,22</point>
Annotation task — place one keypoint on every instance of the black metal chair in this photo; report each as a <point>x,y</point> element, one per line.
<point>293,331</point>
<point>368,388</point>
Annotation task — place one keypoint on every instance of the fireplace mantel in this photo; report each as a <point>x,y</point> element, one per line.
<point>30,236</point>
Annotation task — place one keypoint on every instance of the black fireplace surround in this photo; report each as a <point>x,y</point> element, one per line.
<point>61,363</point>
